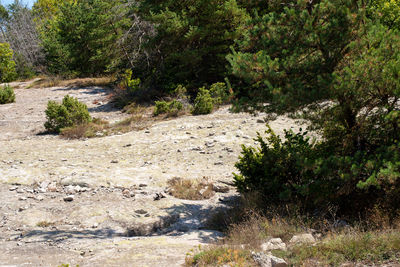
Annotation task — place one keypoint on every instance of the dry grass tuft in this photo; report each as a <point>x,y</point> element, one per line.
<point>375,247</point>
<point>190,189</point>
<point>220,256</point>
<point>44,224</point>
<point>96,128</point>
<point>139,120</point>
<point>337,245</point>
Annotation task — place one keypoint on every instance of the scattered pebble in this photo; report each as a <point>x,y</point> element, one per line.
<point>126,193</point>
<point>158,196</point>
<point>69,198</point>
<point>22,208</point>
<point>141,211</point>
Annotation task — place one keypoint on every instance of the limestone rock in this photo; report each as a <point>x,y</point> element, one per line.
<point>126,193</point>
<point>70,189</point>
<point>273,244</point>
<point>302,239</point>
<point>52,187</point>
<point>267,260</point>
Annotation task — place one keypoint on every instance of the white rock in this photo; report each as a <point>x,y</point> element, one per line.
<point>302,239</point>
<point>44,184</point>
<point>278,262</point>
<point>267,260</point>
<point>70,189</point>
<point>273,244</point>
<point>52,187</point>
<point>78,188</point>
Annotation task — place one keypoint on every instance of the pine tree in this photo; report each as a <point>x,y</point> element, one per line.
<point>192,40</point>
<point>84,33</point>
<point>287,56</point>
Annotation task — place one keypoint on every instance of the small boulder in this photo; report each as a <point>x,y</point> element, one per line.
<point>70,189</point>
<point>13,188</point>
<point>302,239</point>
<point>20,190</point>
<point>273,244</point>
<point>267,260</point>
<point>278,262</point>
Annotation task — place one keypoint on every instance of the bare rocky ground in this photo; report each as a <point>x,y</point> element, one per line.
<point>103,201</point>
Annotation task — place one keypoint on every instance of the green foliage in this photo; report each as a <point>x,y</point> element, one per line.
<point>170,108</point>
<point>220,93</point>
<point>7,64</point>
<point>363,124</point>
<point>192,39</point>
<point>129,83</point>
<point>84,33</point>
<point>180,92</point>
<point>291,70</point>
<point>69,113</point>
<point>24,70</point>
<point>387,11</point>
<point>204,103</point>
<point>281,170</point>
<point>328,55</point>
<point>7,95</point>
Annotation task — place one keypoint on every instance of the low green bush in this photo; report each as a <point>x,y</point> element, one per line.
<point>161,108</point>
<point>278,169</point>
<point>69,113</point>
<point>171,108</point>
<point>220,93</point>
<point>7,95</point>
<point>129,83</point>
<point>204,103</point>
<point>296,170</point>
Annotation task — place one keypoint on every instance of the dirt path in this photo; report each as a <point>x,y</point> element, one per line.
<point>116,217</point>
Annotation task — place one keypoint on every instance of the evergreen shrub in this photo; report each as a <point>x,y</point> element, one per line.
<point>7,95</point>
<point>204,103</point>
<point>69,113</point>
<point>171,108</point>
